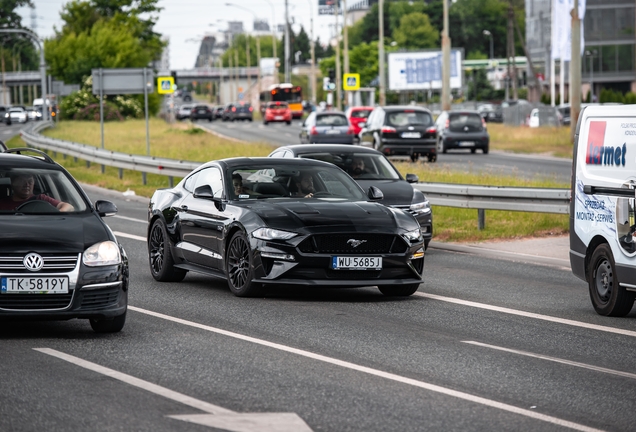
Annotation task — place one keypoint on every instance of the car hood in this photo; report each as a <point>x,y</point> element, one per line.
<point>396,192</point>
<point>315,214</point>
<point>51,233</point>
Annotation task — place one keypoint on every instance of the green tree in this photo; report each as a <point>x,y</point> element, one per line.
<point>301,43</point>
<point>415,31</point>
<point>103,33</point>
<point>15,48</point>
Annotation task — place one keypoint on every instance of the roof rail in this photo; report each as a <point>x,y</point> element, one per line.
<point>19,150</point>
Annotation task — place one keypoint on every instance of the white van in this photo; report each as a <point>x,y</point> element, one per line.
<point>602,223</point>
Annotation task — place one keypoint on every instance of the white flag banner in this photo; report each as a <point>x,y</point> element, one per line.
<point>562,28</point>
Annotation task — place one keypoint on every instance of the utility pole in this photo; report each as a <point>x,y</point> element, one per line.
<point>346,47</point>
<point>381,51</point>
<point>287,47</point>
<point>512,69</point>
<point>575,70</point>
<point>446,44</point>
<point>530,65</point>
<point>338,72</point>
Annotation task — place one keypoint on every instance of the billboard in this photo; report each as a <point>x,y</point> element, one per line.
<point>422,70</point>
<point>328,7</point>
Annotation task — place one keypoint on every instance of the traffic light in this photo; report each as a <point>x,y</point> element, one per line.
<point>332,75</point>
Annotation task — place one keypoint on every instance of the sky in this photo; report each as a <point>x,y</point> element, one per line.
<point>186,21</point>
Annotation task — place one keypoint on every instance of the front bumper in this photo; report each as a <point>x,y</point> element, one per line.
<point>94,292</point>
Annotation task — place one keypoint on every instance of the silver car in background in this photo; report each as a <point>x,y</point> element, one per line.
<point>328,127</point>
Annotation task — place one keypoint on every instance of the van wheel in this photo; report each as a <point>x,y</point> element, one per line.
<point>608,298</point>
<point>432,157</point>
<point>485,150</point>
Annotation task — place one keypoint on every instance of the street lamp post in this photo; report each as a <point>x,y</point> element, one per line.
<point>487,33</point>
<point>313,54</point>
<point>273,27</point>
<point>381,51</point>
<point>591,55</point>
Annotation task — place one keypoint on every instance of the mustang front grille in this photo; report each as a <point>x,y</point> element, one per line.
<point>353,244</point>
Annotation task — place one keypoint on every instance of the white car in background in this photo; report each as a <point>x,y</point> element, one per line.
<point>16,114</point>
<point>184,112</point>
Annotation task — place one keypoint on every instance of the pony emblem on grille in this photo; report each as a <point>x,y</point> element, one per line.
<point>33,262</point>
<point>355,243</point>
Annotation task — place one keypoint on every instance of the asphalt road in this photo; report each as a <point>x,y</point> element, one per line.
<point>500,163</point>
<point>483,345</point>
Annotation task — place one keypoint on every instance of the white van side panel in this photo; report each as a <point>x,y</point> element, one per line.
<point>605,157</point>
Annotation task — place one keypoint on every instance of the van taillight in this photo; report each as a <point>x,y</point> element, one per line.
<point>388,129</point>
<point>313,131</point>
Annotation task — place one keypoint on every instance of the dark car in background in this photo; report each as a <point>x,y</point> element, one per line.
<point>201,112</point>
<point>491,113</point>
<point>54,265</point>
<point>245,220</point>
<point>401,130</point>
<point>376,170</point>
<point>326,127</point>
<point>462,130</point>
<point>218,111</point>
<point>238,111</point>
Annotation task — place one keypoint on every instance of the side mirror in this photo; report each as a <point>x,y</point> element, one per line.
<point>204,191</point>
<point>362,124</point>
<point>412,178</point>
<point>375,194</point>
<point>105,208</point>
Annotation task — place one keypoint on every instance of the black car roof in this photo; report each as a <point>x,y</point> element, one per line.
<point>312,148</point>
<point>14,160</point>
<point>243,161</point>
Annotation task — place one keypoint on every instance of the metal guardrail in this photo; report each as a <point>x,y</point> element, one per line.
<point>145,164</point>
<point>538,200</point>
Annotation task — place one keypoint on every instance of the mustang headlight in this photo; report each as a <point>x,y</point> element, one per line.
<point>273,234</point>
<point>421,207</point>
<point>102,254</point>
<point>413,236</point>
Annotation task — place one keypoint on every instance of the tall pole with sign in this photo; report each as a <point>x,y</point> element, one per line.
<point>338,71</point>
<point>287,47</point>
<point>381,51</point>
<point>446,43</point>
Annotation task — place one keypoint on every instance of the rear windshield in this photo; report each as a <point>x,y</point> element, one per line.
<point>201,107</point>
<point>244,107</point>
<point>331,120</point>
<point>360,113</point>
<point>457,120</point>
<point>408,118</point>
<point>280,105</point>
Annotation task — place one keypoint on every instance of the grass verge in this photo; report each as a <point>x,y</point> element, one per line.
<point>182,141</point>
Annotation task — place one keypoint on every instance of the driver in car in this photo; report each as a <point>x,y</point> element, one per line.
<point>22,192</point>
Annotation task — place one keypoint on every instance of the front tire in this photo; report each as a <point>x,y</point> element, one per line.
<point>239,267</point>
<point>108,325</point>
<point>160,258</point>
<point>399,290</point>
<point>432,157</point>
<point>608,297</point>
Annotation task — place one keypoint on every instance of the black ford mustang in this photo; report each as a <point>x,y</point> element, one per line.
<point>266,221</point>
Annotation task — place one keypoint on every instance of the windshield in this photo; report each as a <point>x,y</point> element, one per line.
<point>277,181</point>
<point>409,118</point>
<point>360,114</point>
<point>38,191</point>
<point>363,166</point>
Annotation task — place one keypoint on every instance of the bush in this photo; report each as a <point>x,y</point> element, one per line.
<point>91,113</point>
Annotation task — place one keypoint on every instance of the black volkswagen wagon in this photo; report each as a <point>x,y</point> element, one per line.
<point>58,259</point>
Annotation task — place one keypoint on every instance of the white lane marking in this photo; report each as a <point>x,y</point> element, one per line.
<point>145,385</point>
<point>374,372</point>
<point>131,219</point>
<point>555,359</point>
<point>529,314</point>
<point>130,236</point>
<point>549,318</point>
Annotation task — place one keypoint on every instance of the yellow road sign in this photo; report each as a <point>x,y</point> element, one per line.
<point>351,81</point>
<point>165,85</point>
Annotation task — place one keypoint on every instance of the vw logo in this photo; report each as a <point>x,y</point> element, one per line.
<point>33,262</point>
<point>355,243</point>
<point>411,128</point>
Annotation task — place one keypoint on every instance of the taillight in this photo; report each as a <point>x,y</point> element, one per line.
<point>350,131</point>
<point>233,109</point>
<point>431,130</point>
<point>388,129</point>
<point>251,109</point>
<point>447,124</point>
<point>313,131</point>
<point>483,123</point>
